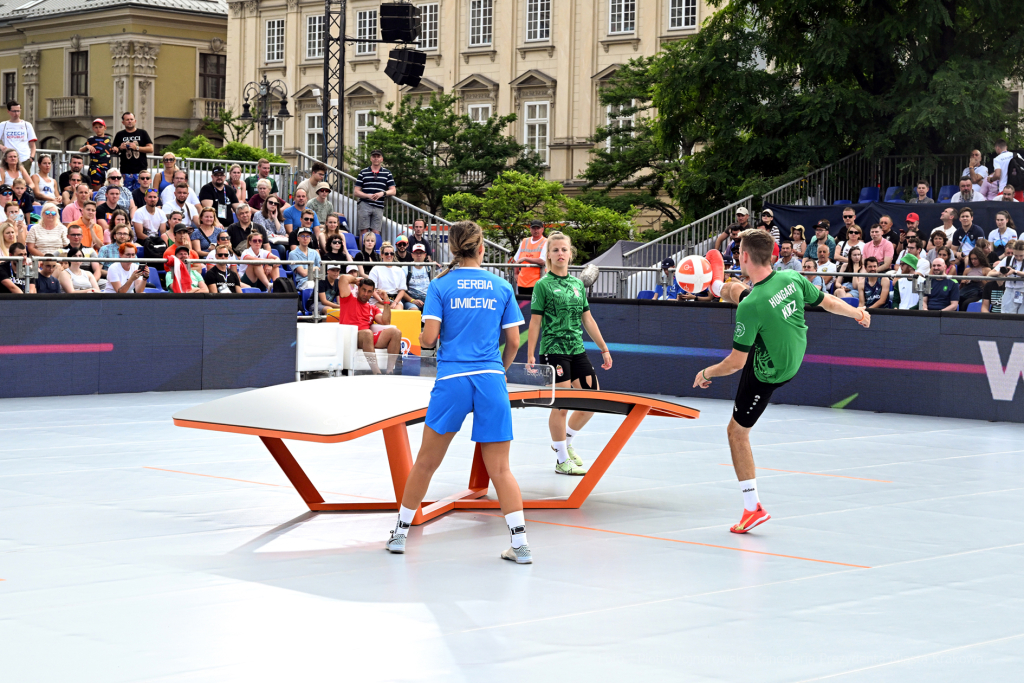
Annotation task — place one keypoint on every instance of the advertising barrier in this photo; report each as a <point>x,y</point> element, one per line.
<point>61,345</point>
<point>961,365</point>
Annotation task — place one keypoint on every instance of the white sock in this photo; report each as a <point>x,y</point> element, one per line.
<point>569,433</point>
<point>405,516</point>
<point>517,527</point>
<point>561,449</point>
<point>716,288</point>
<point>749,488</point>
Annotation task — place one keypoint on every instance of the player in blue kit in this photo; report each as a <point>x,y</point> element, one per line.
<point>468,310</point>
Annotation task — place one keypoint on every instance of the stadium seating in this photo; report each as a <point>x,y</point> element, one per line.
<point>842,201</point>
<point>868,194</point>
<point>154,280</point>
<point>646,294</point>
<point>852,300</point>
<point>250,290</point>
<point>946,192</point>
<point>974,307</point>
<point>894,193</point>
<point>307,294</point>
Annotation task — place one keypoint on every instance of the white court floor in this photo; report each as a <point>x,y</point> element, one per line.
<point>133,550</point>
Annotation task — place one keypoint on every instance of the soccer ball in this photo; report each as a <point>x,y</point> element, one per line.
<point>693,274</point>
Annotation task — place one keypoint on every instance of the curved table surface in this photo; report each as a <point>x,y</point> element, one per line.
<point>336,409</point>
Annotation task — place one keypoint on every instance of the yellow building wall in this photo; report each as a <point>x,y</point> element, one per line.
<point>101,80</point>
<point>51,76</point>
<point>177,68</point>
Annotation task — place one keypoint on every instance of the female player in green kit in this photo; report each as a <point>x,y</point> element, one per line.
<point>560,307</point>
<point>768,345</point>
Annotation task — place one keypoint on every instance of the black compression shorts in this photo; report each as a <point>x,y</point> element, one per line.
<point>752,395</point>
<point>569,367</point>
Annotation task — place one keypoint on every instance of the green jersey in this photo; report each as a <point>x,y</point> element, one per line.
<point>562,301</point>
<point>770,320</point>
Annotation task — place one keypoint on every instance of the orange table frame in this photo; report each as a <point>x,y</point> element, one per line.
<point>396,441</point>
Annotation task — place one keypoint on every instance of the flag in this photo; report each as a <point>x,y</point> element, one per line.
<point>182,279</point>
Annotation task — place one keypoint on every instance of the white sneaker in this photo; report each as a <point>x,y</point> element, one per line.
<point>396,543</point>
<point>520,555</point>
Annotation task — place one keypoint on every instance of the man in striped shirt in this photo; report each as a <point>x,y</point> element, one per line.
<point>372,185</point>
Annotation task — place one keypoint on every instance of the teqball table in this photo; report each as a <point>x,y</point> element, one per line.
<point>306,411</point>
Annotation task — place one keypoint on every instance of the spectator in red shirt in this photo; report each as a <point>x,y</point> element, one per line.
<point>356,309</point>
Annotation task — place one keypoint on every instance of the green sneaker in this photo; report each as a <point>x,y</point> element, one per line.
<point>572,456</point>
<point>569,467</point>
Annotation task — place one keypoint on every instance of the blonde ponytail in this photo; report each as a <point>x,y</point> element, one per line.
<point>464,240</point>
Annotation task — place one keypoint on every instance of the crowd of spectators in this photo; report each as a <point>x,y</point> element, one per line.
<point>98,209</point>
<point>937,262</point>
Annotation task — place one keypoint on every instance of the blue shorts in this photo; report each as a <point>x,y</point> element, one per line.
<point>485,395</point>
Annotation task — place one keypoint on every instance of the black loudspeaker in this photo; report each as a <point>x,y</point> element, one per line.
<point>405,67</point>
<point>399,22</point>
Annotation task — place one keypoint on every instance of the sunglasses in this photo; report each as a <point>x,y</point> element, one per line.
<point>849,216</point>
<point>223,238</point>
<point>854,232</point>
<point>168,161</point>
<point>6,194</point>
<point>113,177</point>
<point>387,253</point>
<point>143,177</point>
<point>50,212</point>
<point>273,204</point>
<point>324,191</point>
<point>307,219</point>
<point>222,255</point>
<point>255,241</point>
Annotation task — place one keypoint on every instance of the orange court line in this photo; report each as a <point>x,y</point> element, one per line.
<point>261,483</point>
<point>815,474</point>
<point>676,540</point>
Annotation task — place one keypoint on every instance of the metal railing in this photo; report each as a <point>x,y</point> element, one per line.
<point>398,215</point>
<point>199,171</point>
<point>694,238</point>
<point>844,179</point>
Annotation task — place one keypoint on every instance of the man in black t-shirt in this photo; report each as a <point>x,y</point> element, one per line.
<point>46,283</point>
<point>967,235</point>
<point>10,283</point>
<point>220,196</point>
<point>132,145</point>
<point>104,209</point>
<point>419,226</point>
<point>64,180</point>
<point>219,279</point>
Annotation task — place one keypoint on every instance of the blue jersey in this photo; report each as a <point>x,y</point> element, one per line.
<point>473,307</point>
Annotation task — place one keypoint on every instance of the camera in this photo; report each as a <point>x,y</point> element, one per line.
<point>1004,270</point>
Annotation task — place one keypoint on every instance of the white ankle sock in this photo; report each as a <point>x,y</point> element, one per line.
<point>517,528</point>
<point>561,449</point>
<point>749,488</point>
<point>405,516</point>
<point>569,433</point>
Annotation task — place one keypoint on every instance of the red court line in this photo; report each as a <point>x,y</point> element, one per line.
<point>22,349</point>
<point>896,364</point>
<point>676,540</point>
<point>816,474</point>
<point>261,483</point>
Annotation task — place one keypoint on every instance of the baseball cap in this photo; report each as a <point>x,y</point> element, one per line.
<point>910,260</point>
<point>218,170</point>
<point>913,217</point>
<point>305,230</point>
<point>181,227</point>
<point>4,189</point>
<point>743,211</point>
<point>536,224</point>
<point>351,268</point>
<point>668,263</point>
<point>821,225</point>
<point>401,238</point>
<point>768,211</point>
<point>182,248</point>
<point>418,247</point>
<point>95,121</point>
<point>333,266</point>
<point>322,186</point>
<point>376,153</point>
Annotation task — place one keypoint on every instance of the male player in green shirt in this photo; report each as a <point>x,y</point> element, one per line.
<point>768,345</point>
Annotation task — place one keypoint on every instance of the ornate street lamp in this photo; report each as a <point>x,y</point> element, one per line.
<point>261,94</point>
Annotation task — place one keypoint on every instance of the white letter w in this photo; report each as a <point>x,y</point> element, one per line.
<point>1002,382</point>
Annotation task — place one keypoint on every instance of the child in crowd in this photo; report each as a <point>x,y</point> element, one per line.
<point>99,146</point>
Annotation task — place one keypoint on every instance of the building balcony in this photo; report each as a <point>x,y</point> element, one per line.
<point>68,107</point>
<point>203,108</point>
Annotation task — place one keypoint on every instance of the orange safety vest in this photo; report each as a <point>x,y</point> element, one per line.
<point>529,276</point>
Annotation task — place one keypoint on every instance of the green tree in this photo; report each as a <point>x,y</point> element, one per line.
<point>769,89</point>
<point>433,151</point>
<point>627,167</point>
<point>506,208</point>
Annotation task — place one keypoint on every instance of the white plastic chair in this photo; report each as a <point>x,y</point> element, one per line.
<point>323,346</point>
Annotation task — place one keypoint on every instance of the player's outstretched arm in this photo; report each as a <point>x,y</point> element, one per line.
<point>732,363</point>
<point>837,306</point>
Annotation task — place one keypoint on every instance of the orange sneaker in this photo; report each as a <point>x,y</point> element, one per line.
<point>714,258</point>
<point>750,520</point>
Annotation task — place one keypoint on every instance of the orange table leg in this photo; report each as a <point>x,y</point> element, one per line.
<point>604,461</point>
<point>478,478</point>
<point>293,471</point>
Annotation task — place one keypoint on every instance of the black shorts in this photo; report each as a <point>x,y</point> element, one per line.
<point>752,395</point>
<point>524,291</point>
<point>569,367</point>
